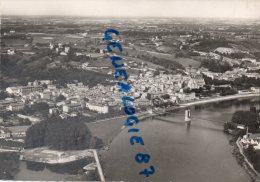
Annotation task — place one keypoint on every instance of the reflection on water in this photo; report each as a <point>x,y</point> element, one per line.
<point>35,175</point>
<point>9,165</point>
<point>39,171</point>
<point>70,168</point>
<point>199,153</point>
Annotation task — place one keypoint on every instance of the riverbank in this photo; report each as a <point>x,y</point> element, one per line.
<point>246,163</point>
<point>184,149</point>
<point>218,99</point>
<point>47,156</point>
<point>53,157</point>
<point>113,126</point>
<point>188,104</point>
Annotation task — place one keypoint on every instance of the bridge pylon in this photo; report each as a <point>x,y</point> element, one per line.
<point>187,118</point>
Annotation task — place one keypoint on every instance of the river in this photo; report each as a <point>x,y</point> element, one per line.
<point>201,153</point>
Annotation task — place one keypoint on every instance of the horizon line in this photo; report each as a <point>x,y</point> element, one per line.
<point>124,16</point>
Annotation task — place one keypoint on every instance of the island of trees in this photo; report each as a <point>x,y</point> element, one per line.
<point>58,134</point>
<point>247,119</point>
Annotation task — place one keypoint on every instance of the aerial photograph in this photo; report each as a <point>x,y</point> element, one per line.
<point>120,90</point>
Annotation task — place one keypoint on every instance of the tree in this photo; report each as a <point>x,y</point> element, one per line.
<point>85,99</point>
<point>228,91</point>
<point>157,72</point>
<point>3,95</point>
<point>60,98</point>
<point>40,106</point>
<point>251,154</point>
<point>148,96</point>
<point>58,134</point>
<point>247,118</point>
<point>216,66</point>
<point>166,96</point>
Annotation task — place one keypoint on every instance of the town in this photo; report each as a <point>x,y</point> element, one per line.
<point>57,68</point>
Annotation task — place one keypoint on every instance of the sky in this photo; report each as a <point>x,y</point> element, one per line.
<point>135,8</point>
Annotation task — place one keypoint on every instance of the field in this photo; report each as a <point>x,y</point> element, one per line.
<point>187,62</point>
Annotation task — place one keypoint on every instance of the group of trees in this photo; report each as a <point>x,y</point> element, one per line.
<point>257,54</point>
<point>226,91</point>
<point>58,134</point>
<point>246,82</point>
<point>41,107</point>
<point>216,66</point>
<point>239,83</point>
<point>30,70</point>
<point>254,157</point>
<point>168,64</point>
<point>210,81</point>
<point>3,95</point>
<point>209,44</point>
<point>247,118</point>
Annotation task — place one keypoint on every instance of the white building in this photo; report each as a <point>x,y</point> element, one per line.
<point>72,108</point>
<point>16,107</point>
<point>66,49</point>
<point>4,134</point>
<point>24,90</point>
<point>195,82</point>
<point>45,95</point>
<point>255,89</point>
<point>10,52</point>
<point>97,107</point>
<point>186,97</point>
<point>53,111</point>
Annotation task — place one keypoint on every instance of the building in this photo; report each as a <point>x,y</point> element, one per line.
<point>18,131</point>
<point>184,97</point>
<point>51,46</point>
<point>24,90</point>
<point>255,89</point>
<point>29,89</point>
<point>10,52</point>
<point>195,82</point>
<point>94,55</point>
<point>4,133</point>
<point>66,49</point>
<point>53,111</point>
<point>63,53</point>
<point>97,107</point>
<point>72,107</point>
<point>12,90</point>
<point>251,139</point>
<point>45,95</point>
<point>16,107</point>
<point>144,102</point>
<point>5,103</point>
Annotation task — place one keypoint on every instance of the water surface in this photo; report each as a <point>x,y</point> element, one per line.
<point>201,153</point>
